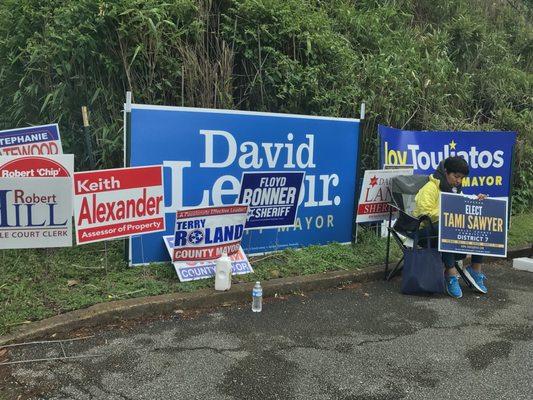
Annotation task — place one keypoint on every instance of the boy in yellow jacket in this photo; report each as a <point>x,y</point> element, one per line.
<point>448,178</point>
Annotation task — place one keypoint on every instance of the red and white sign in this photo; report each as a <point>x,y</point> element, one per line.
<point>194,270</point>
<point>116,203</point>
<point>376,194</point>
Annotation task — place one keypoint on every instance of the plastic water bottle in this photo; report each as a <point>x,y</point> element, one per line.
<point>257,295</point>
<point>223,273</point>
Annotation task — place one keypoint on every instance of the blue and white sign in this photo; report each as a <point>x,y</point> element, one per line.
<point>192,271</point>
<point>204,153</point>
<point>488,154</point>
<point>35,140</point>
<point>272,197</point>
<point>468,225</point>
<point>205,233</point>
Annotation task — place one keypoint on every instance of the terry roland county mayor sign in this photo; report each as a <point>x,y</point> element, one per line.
<point>194,270</point>
<point>205,233</point>
<point>36,201</point>
<point>35,140</point>
<point>472,226</point>
<point>116,203</point>
<point>204,153</point>
<point>272,197</point>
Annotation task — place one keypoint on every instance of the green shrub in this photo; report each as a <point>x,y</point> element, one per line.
<point>418,64</point>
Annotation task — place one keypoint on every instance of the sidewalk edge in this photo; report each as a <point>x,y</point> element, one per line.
<point>130,309</point>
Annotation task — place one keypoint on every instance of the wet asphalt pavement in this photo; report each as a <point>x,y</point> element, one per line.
<point>359,342</point>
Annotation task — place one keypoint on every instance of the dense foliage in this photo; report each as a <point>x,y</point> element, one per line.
<point>419,64</point>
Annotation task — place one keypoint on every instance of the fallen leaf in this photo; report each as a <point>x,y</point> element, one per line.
<point>19,323</point>
<point>72,282</point>
<point>275,273</point>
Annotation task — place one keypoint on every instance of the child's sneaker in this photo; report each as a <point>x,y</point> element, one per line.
<point>477,279</point>
<point>452,286</point>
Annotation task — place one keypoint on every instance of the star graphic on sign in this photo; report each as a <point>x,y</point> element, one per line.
<point>452,145</point>
<point>196,237</point>
<point>373,181</point>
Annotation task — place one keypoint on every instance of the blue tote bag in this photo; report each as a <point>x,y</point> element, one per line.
<point>423,271</point>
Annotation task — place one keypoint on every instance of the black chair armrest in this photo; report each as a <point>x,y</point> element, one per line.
<point>395,207</point>
<point>413,222</point>
<point>423,218</point>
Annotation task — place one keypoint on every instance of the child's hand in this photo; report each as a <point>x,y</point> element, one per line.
<point>481,196</point>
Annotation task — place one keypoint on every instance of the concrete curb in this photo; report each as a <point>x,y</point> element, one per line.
<point>112,312</point>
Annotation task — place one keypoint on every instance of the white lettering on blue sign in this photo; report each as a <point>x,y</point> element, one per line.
<point>205,152</point>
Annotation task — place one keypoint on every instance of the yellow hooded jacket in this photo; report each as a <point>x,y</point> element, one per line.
<point>427,200</point>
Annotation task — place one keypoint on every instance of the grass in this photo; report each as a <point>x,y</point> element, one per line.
<point>36,284</point>
<point>521,231</point>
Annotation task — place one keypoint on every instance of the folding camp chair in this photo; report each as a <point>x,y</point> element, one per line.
<point>404,229</point>
<point>403,189</point>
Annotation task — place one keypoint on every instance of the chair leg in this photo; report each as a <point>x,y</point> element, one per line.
<point>397,268</point>
<point>388,246</point>
<point>387,256</point>
<point>461,272</point>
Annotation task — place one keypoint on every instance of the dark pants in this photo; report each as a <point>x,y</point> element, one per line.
<point>449,259</point>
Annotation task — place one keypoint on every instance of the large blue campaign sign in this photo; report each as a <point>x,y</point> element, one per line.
<point>204,153</point>
<point>489,155</point>
<point>468,225</point>
<point>272,197</point>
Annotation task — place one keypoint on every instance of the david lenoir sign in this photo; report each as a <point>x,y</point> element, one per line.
<point>205,152</point>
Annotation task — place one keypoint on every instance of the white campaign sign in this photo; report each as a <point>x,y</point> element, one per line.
<point>192,270</point>
<point>376,194</point>
<point>36,201</point>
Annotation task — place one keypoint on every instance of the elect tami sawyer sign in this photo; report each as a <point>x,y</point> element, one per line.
<point>472,226</point>
<point>205,152</point>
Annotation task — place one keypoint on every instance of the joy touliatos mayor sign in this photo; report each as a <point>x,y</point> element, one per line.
<point>488,154</point>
